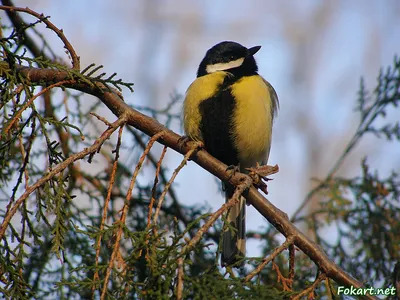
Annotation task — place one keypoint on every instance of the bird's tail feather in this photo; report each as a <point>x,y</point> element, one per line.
<point>234,240</point>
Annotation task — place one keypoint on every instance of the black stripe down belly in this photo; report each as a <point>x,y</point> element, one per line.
<point>216,126</point>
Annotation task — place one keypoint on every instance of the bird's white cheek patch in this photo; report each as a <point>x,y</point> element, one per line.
<point>225,66</point>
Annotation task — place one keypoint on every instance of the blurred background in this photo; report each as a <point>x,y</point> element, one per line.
<point>313,52</point>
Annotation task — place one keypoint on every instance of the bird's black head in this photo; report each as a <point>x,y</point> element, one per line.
<point>231,57</point>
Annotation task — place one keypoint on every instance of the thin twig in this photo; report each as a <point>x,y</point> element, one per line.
<point>179,214</point>
<point>29,102</point>
<point>63,136</point>
<point>153,190</point>
<point>281,278</point>
<point>20,26</point>
<point>105,208</point>
<point>179,280</point>
<point>311,288</point>
<point>59,168</point>
<point>24,166</point>
<point>104,120</point>
<point>153,193</point>
<point>50,25</point>
<point>289,241</point>
<point>167,186</point>
<point>124,211</point>
<point>329,291</point>
<point>245,184</point>
<point>23,156</point>
<point>292,253</point>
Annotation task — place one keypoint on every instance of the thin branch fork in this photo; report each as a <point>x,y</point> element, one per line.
<point>289,241</point>
<point>311,288</point>
<point>170,139</point>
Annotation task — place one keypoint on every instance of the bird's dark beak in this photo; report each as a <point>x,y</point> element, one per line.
<point>253,50</point>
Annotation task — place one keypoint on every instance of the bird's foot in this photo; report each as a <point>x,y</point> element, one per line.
<point>232,169</point>
<point>183,140</point>
<point>260,173</point>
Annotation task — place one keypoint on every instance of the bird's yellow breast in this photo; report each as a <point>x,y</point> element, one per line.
<point>252,120</point>
<point>201,89</point>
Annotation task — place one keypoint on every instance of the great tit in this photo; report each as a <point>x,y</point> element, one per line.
<point>230,109</point>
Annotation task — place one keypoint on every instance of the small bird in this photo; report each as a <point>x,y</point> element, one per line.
<point>230,109</point>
